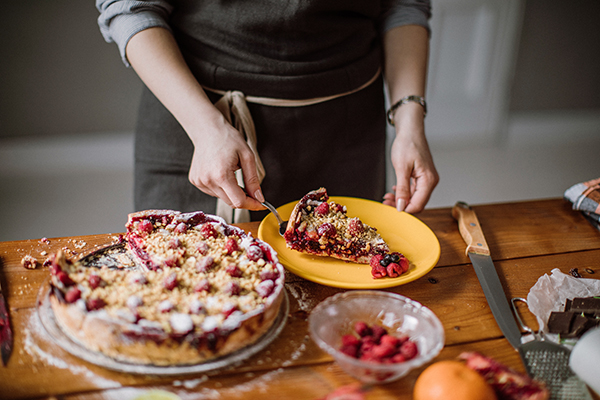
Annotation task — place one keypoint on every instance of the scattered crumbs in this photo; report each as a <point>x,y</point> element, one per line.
<point>43,253</point>
<point>44,240</point>
<point>29,262</point>
<point>457,328</point>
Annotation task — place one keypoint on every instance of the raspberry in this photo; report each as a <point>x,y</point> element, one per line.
<point>350,340</point>
<point>231,245</point>
<point>355,227</point>
<point>232,288</point>
<point>204,264</point>
<point>181,228</point>
<point>409,349</point>
<point>350,350</point>
<point>145,226</point>
<point>390,340</point>
<point>208,230</point>
<point>94,281</point>
<point>265,288</point>
<point>378,271</point>
<point>362,329</point>
<point>398,358</point>
<point>229,309</point>
<point>375,260</point>
<point>64,278</point>
<point>327,229</point>
<point>377,332</point>
<point>404,264</point>
<point>254,253</point>
<point>72,295</point>
<point>268,274</point>
<point>202,286</point>
<point>95,304</point>
<point>382,350</point>
<point>170,281</point>
<point>202,248</point>
<point>233,271</point>
<point>174,243</point>
<point>322,209</point>
<point>394,270</point>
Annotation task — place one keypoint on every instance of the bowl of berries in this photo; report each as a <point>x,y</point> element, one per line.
<point>376,336</point>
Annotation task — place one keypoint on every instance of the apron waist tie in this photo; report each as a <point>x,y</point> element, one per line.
<point>233,105</point>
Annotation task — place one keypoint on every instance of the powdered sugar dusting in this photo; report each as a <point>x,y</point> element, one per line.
<point>40,348</point>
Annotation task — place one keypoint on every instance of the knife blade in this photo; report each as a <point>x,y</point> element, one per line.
<point>6,337</point>
<point>479,254</point>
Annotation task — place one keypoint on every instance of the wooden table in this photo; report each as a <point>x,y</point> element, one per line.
<point>526,239</point>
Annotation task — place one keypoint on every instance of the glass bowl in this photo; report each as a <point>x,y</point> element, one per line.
<point>336,316</point>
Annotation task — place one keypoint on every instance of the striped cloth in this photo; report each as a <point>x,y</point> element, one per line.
<point>586,198</point>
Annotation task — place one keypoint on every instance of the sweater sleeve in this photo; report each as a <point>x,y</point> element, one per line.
<point>119,20</point>
<point>405,12</point>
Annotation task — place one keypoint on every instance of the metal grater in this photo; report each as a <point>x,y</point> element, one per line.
<point>549,362</point>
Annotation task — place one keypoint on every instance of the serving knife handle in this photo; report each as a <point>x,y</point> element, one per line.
<point>470,229</point>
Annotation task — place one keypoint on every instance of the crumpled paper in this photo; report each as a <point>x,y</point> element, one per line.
<point>550,293</point>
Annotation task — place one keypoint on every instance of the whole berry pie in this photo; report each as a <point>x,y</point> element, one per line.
<point>203,289</point>
<point>322,227</point>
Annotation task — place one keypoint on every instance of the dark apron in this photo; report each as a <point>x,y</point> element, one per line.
<point>338,144</point>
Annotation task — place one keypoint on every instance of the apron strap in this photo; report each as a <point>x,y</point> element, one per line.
<point>233,105</point>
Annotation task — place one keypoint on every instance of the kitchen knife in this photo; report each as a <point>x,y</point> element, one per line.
<point>479,253</point>
<point>6,337</point>
<point>544,360</point>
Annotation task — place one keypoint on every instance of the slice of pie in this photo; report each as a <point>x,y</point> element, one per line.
<point>204,289</point>
<point>321,227</point>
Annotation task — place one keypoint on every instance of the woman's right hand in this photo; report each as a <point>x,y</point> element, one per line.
<point>219,149</point>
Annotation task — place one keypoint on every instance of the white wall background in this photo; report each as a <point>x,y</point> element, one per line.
<point>514,100</point>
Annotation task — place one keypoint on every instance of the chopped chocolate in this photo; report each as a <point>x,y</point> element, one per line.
<point>586,304</point>
<point>560,322</point>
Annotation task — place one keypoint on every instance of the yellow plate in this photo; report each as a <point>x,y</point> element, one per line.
<point>402,231</point>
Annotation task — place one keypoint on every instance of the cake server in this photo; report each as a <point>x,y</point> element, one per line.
<point>543,360</point>
<point>6,336</point>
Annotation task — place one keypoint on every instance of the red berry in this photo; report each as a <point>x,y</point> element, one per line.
<point>350,350</point>
<point>322,209</point>
<point>95,304</point>
<point>181,228</point>
<point>208,230</point>
<point>378,271</point>
<point>94,281</point>
<point>394,270</point>
<point>362,329</point>
<point>355,227</point>
<point>377,332</point>
<point>327,229</point>
<point>145,226</point>
<point>72,295</point>
<point>233,271</point>
<point>350,340</point>
<point>254,253</point>
<point>204,264</point>
<point>390,340</point>
<point>170,281</point>
<point>398,358</point>
<point>231,245</point>
<point>233,288</point>
<point>375,261</point>
<point>228,309</point>
<point>383,350</point>
<point>64,278</point>
<point>265,288</point>
<point>409,349</point>
<point>202,286</point>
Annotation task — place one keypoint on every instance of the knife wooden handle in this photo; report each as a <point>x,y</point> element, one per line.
<point>470,229</point>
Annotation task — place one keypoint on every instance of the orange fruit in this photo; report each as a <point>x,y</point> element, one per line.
<point>451,380</point>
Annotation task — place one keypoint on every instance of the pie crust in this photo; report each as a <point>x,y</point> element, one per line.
<point>319,227</point>
<point>204,289</point>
